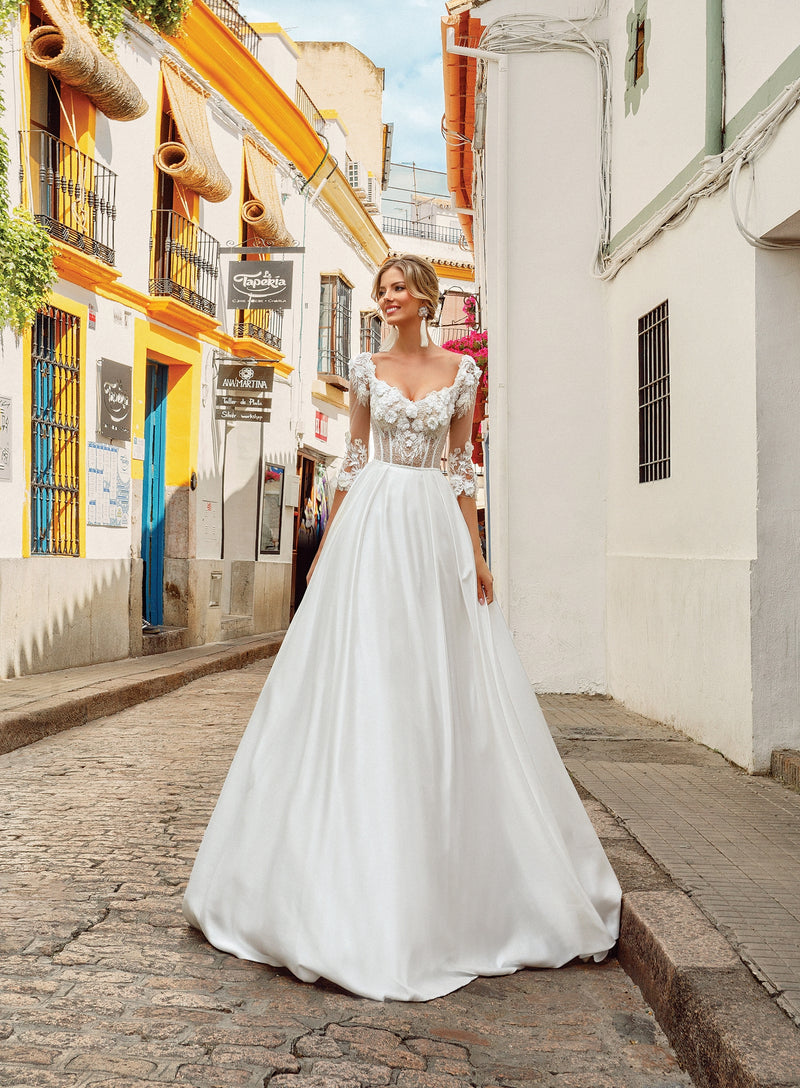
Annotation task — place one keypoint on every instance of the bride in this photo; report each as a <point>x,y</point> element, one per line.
<point>397,818</point>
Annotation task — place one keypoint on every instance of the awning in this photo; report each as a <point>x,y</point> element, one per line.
<point>264,213</point>
<point>69,50</point>
<point>191,160</point>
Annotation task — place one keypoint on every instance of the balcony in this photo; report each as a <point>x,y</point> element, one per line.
<point>73,195</point>
<point>263,325</point>
<point>228,14</point>
<point>429,232</point>
<point>184,261</point>
<point>309,110</point>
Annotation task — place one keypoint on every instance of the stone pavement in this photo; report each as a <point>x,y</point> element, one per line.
<point>102,983</point>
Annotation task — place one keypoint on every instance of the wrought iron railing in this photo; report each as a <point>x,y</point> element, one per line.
<point>55,433</point>
<point>184,261</point>
<point>427,231</point>
<point>228,14</point>
<point>263,325</point>
<point>73,195</point>
<point>308,109</point>
<point>452,332</point>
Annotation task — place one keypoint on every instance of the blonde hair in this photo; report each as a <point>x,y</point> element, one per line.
<point>421,279</point>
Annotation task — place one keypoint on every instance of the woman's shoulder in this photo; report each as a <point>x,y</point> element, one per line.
<point>360,370</point>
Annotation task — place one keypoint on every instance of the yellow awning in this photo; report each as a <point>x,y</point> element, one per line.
<point>192,160</point>
<point>69,50</point>
<point>264,213</point>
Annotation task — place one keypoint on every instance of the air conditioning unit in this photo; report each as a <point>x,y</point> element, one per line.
<point>373,199</point>
<point>357,176</point>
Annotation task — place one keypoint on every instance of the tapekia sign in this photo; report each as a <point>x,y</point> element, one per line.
<point>244,393</point>
<point>254,285</point>
<point>115,400</point>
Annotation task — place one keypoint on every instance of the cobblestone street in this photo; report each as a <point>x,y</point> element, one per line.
<point>102,982</point>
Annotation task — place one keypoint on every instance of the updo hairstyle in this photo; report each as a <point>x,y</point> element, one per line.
<point>420,275</point>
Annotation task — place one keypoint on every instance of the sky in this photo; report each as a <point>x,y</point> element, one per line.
<point>403,38</point>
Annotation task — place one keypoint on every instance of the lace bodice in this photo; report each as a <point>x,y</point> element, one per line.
<point>408,432</point>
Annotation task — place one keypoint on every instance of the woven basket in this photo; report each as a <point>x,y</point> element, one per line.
<point>69,50</point>
<point>263,214</point>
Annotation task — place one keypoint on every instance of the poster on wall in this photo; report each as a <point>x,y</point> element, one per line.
<point>5,438</point>
<point>271,510</point>
<point>109,486</point>
<point>115,399</point>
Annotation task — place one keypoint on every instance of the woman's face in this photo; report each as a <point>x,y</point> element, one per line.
<point>394,300</point>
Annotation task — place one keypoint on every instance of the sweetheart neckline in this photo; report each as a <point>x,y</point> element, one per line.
<point>418,400</point>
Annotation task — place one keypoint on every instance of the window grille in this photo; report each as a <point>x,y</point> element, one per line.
<point>334,326</point>
<point>654,423</point>
<point>55,444</point>
<point>370,332</point>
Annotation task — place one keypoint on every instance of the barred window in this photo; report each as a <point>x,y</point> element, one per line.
<point>55,443</point>
<point>370,331</point>
<point>334,326</point>
<point>654,429</point>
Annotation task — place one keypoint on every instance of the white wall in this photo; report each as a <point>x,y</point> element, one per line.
<point>757,41</point>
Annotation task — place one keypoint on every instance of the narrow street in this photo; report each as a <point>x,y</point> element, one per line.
<point>103,983</point>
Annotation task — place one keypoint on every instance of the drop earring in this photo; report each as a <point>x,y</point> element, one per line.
<point>423,312</point>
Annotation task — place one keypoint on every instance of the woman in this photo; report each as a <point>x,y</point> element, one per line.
<point>397,818</point>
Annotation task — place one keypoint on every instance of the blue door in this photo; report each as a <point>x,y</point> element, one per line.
<point>155,433</point>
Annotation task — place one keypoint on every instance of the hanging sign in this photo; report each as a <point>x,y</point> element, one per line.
<point>260,285</point>
<point>115,400</point>
<point>244,392</point>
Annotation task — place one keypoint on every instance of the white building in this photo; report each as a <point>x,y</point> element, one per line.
<point>644,361</point>
<point>195,520</point>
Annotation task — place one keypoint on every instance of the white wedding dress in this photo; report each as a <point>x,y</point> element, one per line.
<point>397,818</point>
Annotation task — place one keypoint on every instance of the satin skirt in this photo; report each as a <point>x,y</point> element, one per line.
<point>397,818</point>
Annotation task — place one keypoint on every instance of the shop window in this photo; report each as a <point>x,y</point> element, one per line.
<point>55,444</point>
<point>654,405</point>
<point>334,327</point>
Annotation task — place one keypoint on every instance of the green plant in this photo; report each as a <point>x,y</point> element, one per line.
<point>26,256</point>
<point>105,18</point>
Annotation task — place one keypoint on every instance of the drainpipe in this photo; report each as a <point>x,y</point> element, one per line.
<point>715,78</point>
<point>499,517</point>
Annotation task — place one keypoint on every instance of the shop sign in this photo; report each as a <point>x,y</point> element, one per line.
<point>115,399</point>
<point>321,426</point>
<point>260,285</point>
<point>244,392</point>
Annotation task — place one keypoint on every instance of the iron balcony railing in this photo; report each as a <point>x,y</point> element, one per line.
<point>228,14</point>
<point>184,261</point>
<point>308,109</point>
<point>263,325</point>
<point>431,233</point>
<point>73,195</point>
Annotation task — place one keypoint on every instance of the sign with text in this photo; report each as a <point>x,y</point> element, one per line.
<point>260,285</point>
<point>244,392</point>
<point>5,438</point>
<point>115,400</point>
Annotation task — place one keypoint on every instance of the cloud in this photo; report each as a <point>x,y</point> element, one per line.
<point>404,39</point>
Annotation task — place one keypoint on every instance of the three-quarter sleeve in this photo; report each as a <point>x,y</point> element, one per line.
<point>460,469</point>
<point>357,438</point>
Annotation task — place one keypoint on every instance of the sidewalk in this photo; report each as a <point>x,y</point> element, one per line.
<point>708,857</point>
<point>33,707</point>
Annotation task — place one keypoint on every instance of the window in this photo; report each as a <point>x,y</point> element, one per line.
<point>637,77</point>
<point>370,331</point>
<point>334,326</point>
<point>654,431</point>
<point>55,444</point>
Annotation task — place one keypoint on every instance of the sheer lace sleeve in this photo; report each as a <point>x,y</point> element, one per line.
<point>460,469</point>
<point>357,438</point>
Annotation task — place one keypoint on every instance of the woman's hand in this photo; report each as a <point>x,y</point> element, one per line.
<point>485,580</point>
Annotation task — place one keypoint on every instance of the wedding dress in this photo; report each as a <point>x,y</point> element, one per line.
<point>397,818</point>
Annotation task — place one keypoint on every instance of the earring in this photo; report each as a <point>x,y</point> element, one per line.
<point>423,312</point>
<point>389,338</point>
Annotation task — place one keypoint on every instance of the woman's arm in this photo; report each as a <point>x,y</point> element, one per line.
<point>461,472</point>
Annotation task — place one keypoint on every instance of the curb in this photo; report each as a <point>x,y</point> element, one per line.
<point>725,1029</point>
<point>58,713</point>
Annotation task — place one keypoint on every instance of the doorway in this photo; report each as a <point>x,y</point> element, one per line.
<point>155,433</point>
